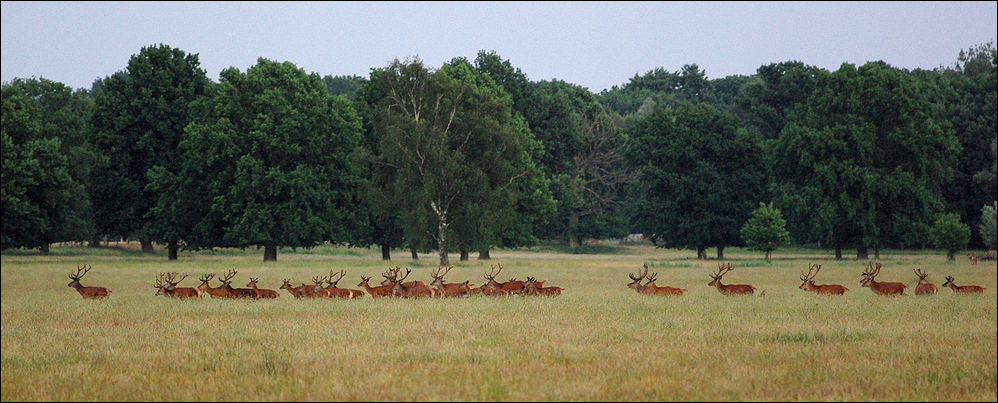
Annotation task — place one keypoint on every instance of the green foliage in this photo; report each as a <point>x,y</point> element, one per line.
<point>268,162</point>
<point>988,224</point>
<point>766,230</point>
<point>700,177</point>
<point>950,234</point>
<point>343,85</point>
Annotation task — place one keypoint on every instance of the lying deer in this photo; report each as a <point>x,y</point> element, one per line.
<point>334,291</point>
<point>207,289</point>
<point>963,289</point>
<point>808,285</point>
<point>167,286</point>
<point>379,291</point>
<point>448,289</point>
<point>534,287</point>
<point>731,289</point>
<point>86,292</point>
<point>924,287</point>
<point>649,287</point>
<point>885,288</point>
<point>261,292</point>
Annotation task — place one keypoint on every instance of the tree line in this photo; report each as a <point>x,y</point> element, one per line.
<point>473,155</point>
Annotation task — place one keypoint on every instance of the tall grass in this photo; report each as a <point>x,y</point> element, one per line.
<point>598,341</point>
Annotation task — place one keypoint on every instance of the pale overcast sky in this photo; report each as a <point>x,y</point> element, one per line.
<point>593,44</point>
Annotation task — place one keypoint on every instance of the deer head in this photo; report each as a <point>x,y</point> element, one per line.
<point>808,279</point>
<point>636,283</point>
<point>80,272</point>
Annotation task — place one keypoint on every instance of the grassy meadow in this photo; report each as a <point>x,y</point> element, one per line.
<point>598,341</point>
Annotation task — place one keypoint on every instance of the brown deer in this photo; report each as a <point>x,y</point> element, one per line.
<point>731,289</point>
<point>345,293</point>
<point>294,291</point>
<point>973,258</point>
<point>962,289</point>
<point>827,289</point>
<point>415,291</point>
<point>924,287</point>
<point>534,287</point>
<point>513,286</point>
<point>207,289</point>
<point>167,286</point>
<point>885,288</point>
<point>379,291</point>
<point>649,287</point>
<point>448,289</point>
<point>235,292</point>
<point>86,292</point>
<point>261,292</point>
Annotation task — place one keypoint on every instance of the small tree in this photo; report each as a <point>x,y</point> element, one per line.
<point>766,230</point>
<point>950,234</point>
<point>988,224</point>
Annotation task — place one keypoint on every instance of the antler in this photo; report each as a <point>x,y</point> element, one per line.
<point>722,270</point>
<point>228,276</point>
<point>436,273</point>
<point>159,280</point>
<point>640,275</point>
<point>172,275</point>
<point>493,273</point>
<point>390,274</point>
<point>652,277</point>
<point>207,277</point>
<point>78,275</point>
<point>329,279</point>
<point>407,271</point>
<point>812,271</point>
<point>921,275</point>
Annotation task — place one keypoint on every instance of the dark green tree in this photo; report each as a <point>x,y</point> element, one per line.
<point>343,85</point>
<point>268,159</point>
<point>139,120</point>
<point>766,230</point>
<point>989,223</point>
<point>863,160</point>
<point>950,234</point>
<point>700,178</point>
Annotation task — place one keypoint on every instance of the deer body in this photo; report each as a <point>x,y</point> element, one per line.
<point>534,287</point>
<point>649,287</point>
<point>730,289</point>
<point>86,292</point>
<point>167,286</point>
<point>881,288</point>
<point>294,291</point>
<point>207,289</point>
<point>345,293</point>
<point>924,287</point>
<point>965,289</point>
<point>261,292</point>
<point>376,292</point>
<point>808,285</point>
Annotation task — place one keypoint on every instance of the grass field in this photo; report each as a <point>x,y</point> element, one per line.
<point>598,341</point>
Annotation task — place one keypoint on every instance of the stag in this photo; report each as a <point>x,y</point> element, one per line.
<point>827,289</point>
<point>513,286</point>
<point>235,292</point>
<point>167,286</point>
<point>86,292</point>
<point>333,291</point>
<point>207,289</point>
<point>885,288</point>
<point>534,287</point>
<point>294,291</point>
<point>261,292</point>
<point>649,287</point>
<point>924,287</point>
<point>448,289</point>
<point>379,291</point>
<point>731,289</point>
<point>962,289</point>
<point>417,290</point>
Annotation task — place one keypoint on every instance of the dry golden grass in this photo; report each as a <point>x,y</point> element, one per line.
<point>598,341</point>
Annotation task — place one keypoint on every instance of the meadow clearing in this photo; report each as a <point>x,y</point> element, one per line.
<point>598,341</point>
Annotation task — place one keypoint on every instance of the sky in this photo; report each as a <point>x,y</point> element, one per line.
<point>596,45</point>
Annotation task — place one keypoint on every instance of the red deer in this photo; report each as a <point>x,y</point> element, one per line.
<point>973,258</point>
<point>513,286</point>
<point>828,289</point>
<point>415,291</point>
<point>86,292</point>
<point>963,289</point>
<point>879,288</point>
<point>379,291</point>
<point>650,288</point>
<point>924,287</point>
<point>534,287</point>
<point>335,291</point>
<point>294,291</point>
<point>207,289</point>
<point>448,289</point>
<point>235,292</point>
<point>170,286</point>
<point>261,292</point>
<point>731,289</point>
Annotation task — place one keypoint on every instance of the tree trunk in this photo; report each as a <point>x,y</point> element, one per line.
<point>484,254</point>
<point>414,253</point>
<point>386,252</point>
<point>876,253</point>
<point>720,252</point>
<point>464,255</point>
<point>171,248</point>
<point>44,249</point>
<point>95,241</point>
<point>862,253</point>
<point>768,260</point>
<point>838,252</point>
<point>951,255</point>
<point>573,221</point>
<point>701,253</point>
<point>147,246</point>
<point>270,253</point>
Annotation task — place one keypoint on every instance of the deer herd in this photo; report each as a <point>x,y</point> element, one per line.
<point>394,286</point>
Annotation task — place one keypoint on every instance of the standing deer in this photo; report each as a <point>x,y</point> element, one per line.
<point>207,289</point>
<point>534,287</point>
<point>448,289</point>
<point>167,286</point>
<point>808,285</point>
<point>885,288</point>
<point>731,289</point>
<point>924,287</point>
<point>962,289</point>
<point>86,292</point>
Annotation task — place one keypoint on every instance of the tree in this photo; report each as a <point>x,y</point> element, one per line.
<point>344,85</point>
<point>863,160</point>
<point>44,195</point>
<point>268,158</point>
<point>766,230</point>
<point>139,120</point>
<point>988,224</point>
<point>700,178</point>
<point>950,234</point>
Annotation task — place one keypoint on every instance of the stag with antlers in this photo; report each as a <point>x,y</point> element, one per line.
<point>417,290</point>
<point>826,289</point>
<point>534,287</point>
<point>378,291</point>
<point>86,292</point>
<point>924,287</point>
<point>167,285</point>
<point>205,288</point>
<point>962,289</point>
<point>513,286</point>
<point>235,292</point>
<point>649,287</point>
<point>448,289</point>
<point>731,289</point>
<point>333,291</point>
<point>885,288</point>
